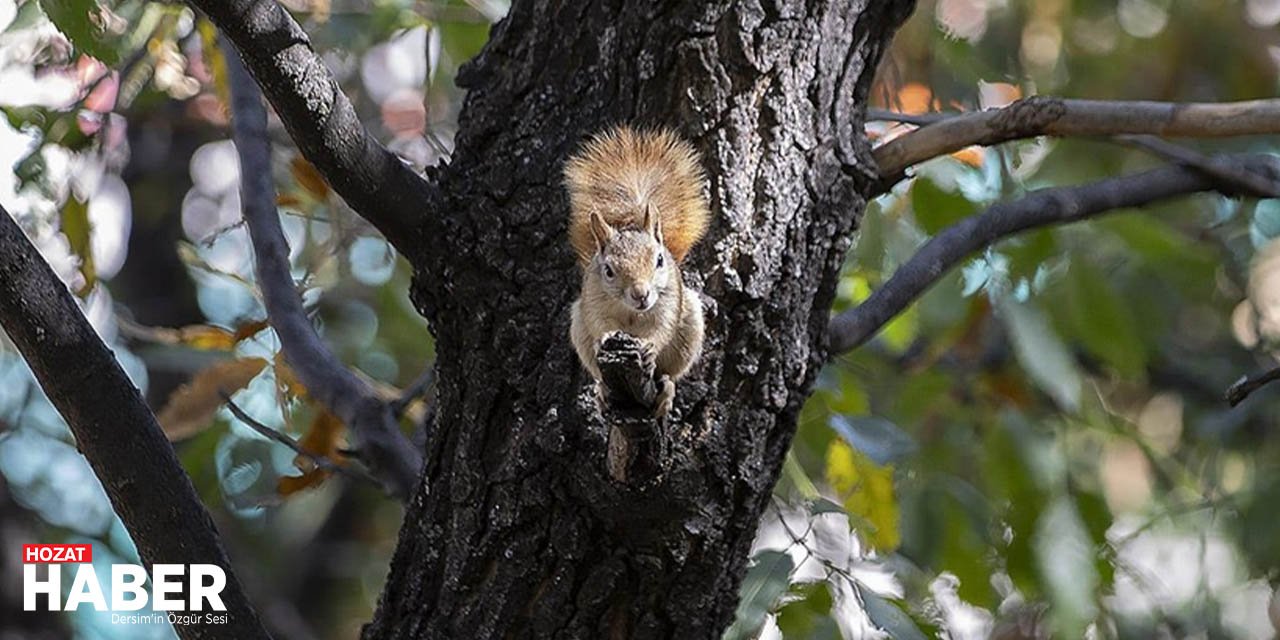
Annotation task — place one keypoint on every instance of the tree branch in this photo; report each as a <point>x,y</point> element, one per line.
<point>1223,168</point>
<point>388,453</point>
<point>113,428</point>
<point>917,119</point>
<point>321,120</point>
<point>1246,385</point>
<point>1041,208</point>
<point>1049,116</point>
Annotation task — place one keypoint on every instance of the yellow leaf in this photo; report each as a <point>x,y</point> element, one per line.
<point>191,408</point>
<point>308,178</point>
<point>915,98</point>
<point>971,156</point>
<point>250,329</point>
<point>323,440</point>
<point>289,485</point>
<point>866,489</point>
<point>287,382</point>
<point>288,200</point>
<point>206,337</point>
<point>214,58</point>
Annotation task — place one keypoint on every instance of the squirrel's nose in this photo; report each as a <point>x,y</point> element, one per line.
<point>641,296</point>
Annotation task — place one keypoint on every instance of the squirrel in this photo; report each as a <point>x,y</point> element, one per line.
<point>636,209</point>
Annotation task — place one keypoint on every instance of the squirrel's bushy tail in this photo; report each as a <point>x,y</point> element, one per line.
<point>621,171</point>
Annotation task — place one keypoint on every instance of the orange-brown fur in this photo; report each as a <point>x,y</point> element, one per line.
<point>620,171</point>
<point>636,208</point>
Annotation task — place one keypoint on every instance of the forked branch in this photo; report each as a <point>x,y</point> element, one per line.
<point>321,119</point>
<point>383,447</point>
<point>1046,207</point>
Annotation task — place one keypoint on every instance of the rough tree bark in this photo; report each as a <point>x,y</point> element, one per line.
<point>518,529</point>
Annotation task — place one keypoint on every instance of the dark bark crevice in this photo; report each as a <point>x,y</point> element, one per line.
<point>519,529</point>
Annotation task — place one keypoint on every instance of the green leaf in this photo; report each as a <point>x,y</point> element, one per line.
<point>1018,476</point>
<point>1042,354</point>
<point>32,169</point>
<point>880,439</point>
<point>21,117</point>
<point>967,548</point>
<point>936,208</point>
<point>768,578</point>
<point>1028,252</point>
<point>1097,520</point>
<point>1065,556</point>
<point>75,225</point>
<point>1192,266</point>
<point>809,616</point>
<point>823,505</point>
<point>889,617</point>
<point>79,21</point>
<point>794,474</point>
<point>462,41</point>
<point>949,504</point>
<point>1097,317</point>
<point>943,306</point>
<point>869,247</point>
<point>1258,528</point>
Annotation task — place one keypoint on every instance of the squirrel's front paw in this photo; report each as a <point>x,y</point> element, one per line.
<point>666,396</point>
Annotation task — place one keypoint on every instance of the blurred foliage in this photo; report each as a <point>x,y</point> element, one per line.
<point>1063,462</point>
<point>1039,446</point>
<point>100,93</point>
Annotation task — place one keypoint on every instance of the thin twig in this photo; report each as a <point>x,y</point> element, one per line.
<point>321,462</point>
<point>1041,208</point>
<point>799,540</point>
<point>1246,385</point>
<point>1233,175</point>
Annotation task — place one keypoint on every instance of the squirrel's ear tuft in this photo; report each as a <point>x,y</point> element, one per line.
<point>653,222</point>
<point>601,231</point>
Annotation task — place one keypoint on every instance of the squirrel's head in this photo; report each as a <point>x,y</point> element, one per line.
<point>632,265</point>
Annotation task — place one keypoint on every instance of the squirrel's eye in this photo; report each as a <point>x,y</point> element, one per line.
<point>659,260</point>
<point>608,271</point>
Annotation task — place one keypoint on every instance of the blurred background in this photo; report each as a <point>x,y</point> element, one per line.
<point>1039,448</point>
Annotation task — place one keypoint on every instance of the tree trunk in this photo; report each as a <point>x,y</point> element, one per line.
<point>519,529</point>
